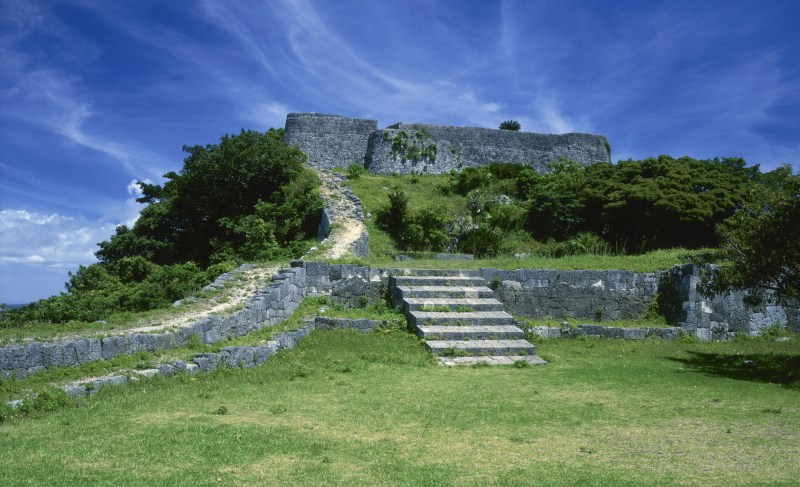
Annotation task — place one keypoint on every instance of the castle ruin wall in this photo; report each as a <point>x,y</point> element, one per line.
<point>329,140</point>
<point>461,147</point>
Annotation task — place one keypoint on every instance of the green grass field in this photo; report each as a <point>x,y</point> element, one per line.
<point>345,408</point>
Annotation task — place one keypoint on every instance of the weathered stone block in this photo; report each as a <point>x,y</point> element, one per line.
<point>114,346</point>
<point>634,333</point>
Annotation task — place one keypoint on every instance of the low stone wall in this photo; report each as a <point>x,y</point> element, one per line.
<point>229,357</point>
<point>267,307</point>
<point>526,292</point>
<point>722,316</point>
<point>598,295</point>
<point>671,333</point>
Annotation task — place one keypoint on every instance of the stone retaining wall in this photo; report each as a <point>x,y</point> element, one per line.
<point>526,292</point>
<point>722,316</point>
<point>267,307</point>
<point>598,295</point>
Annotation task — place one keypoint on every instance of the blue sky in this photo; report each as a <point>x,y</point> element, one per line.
<point>95,95</point>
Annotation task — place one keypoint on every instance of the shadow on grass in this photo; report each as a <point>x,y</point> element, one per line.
<point>773,368</point>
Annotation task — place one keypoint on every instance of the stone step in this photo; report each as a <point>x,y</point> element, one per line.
<point>476,304</point>
<point>445,292</point>
<point>502,332</point>
<point>492,360</point>
<point>474,318</point>
<point>436,272</point>
<point>478,347</point>
<point>436,281</point>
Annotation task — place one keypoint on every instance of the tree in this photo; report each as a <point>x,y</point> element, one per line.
<point>512,125</point>
<point>761,242</point>
<point>664,202</point>
<point>205,208</point>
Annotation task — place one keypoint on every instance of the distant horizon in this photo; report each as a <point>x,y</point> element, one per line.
<point>98,96</point>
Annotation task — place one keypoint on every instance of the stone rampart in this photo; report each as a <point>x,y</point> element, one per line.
<point>335,141</point>
<point>436,149</point>
<point>329,140</point>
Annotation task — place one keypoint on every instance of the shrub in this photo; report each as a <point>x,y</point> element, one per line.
<point>355,170</point>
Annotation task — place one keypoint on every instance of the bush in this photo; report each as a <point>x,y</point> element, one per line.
<point>355,170</point>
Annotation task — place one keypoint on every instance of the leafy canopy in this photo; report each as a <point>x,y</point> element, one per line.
<point>761,241</point>
<point>248,197</point>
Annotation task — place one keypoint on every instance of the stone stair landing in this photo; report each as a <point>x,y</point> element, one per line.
<point>460,320</point>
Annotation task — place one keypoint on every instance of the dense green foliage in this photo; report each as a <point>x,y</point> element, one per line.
<point>250,197</point>
<point>761,241</point>
<point>631,206</point>
<point>225,203</point>
<point>128,284</point>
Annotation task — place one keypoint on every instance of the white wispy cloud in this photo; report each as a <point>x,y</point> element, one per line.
<point>52,240</point>
<point>56,100</point>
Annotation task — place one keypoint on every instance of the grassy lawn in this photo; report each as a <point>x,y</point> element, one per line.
<point>345,408</point>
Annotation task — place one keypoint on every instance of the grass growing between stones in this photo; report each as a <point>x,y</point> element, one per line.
<point>643,322</point>
<point>347,408</point>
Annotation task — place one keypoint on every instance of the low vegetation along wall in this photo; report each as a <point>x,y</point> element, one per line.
<point>590,295</point>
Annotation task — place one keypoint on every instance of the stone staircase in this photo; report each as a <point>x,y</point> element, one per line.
<point>460,319</point>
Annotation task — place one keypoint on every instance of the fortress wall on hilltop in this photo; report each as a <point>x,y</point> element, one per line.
<point>461,147</point>
<point>334,141</point>
<point>329,140</point>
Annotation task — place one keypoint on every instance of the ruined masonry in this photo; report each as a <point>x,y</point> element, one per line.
<point>334,141</point>
<point>460,320</point>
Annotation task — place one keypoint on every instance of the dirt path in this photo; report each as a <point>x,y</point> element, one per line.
<point>347,227</point>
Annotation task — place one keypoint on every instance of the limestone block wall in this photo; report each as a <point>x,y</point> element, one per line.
<point>329,140</point>
<point>462,147</point>
<point>591,295</point>
<point>525,292</point>
<point>722,316</point>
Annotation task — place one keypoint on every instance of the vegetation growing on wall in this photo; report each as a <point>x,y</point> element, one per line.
<point>512,125</point>
<point>415,146</point>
